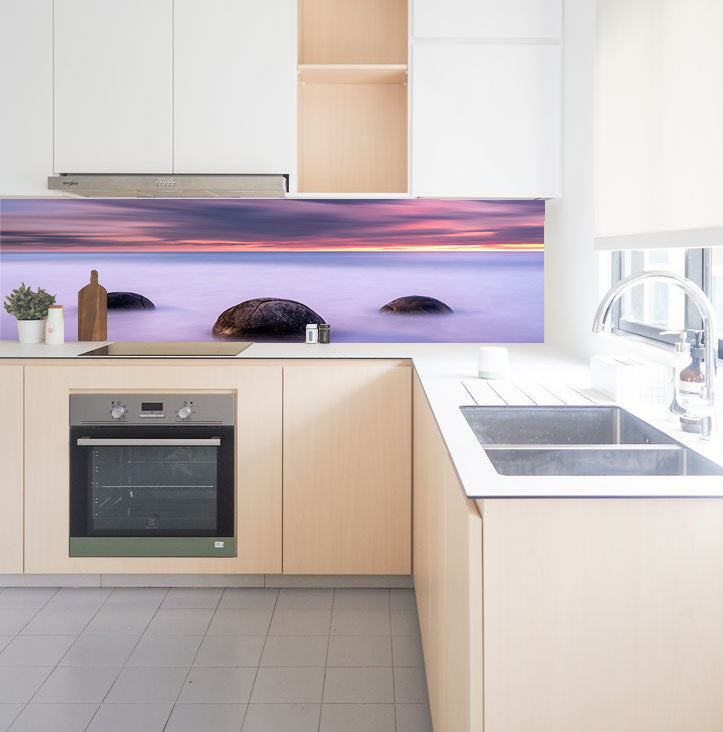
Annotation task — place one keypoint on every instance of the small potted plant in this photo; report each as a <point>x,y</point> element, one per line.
<point>30,308</point>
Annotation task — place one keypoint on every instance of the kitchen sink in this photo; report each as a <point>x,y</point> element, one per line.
<point>579,441</point>
<point>561,426</point>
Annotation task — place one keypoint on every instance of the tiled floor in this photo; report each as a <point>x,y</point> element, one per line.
<point>211,660</point>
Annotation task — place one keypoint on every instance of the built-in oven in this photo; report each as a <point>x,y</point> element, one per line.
<point>152,475</point>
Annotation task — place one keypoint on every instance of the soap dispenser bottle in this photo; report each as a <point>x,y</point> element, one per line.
<point>680,363</point>
<point>692,377</point>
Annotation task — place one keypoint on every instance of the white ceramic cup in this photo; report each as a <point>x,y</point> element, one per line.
<point>493,362</point>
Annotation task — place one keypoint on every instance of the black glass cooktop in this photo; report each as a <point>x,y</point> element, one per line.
<point>202,348</point>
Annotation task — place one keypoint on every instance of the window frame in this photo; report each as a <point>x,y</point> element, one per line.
<point>698,267</point>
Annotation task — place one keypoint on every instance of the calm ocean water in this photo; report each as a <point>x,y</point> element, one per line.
<point>496,297</point>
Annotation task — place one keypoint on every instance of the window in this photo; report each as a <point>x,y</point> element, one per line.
<point>650,310</point>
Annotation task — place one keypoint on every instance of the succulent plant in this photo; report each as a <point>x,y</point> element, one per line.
<point>25,304</point>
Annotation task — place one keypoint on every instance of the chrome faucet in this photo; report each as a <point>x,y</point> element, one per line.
<point>710,326</point>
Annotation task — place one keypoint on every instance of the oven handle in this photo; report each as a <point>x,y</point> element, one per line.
<point>122,442</point>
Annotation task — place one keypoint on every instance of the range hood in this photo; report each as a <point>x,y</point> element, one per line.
<point>171,186</point>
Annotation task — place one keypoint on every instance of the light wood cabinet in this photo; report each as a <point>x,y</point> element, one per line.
<point>447,578</point>
<point>347,468</point>
<point>11,460</point>
<point>234,86</point>
<point>113,86</point>
<point>257,390</point>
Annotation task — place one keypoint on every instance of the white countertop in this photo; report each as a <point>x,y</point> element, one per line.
<point>448,373</point>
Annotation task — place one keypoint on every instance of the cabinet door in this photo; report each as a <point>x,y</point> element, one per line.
<point>235,86</point>
<point>113,86</point>
<point>11,459</point>
<point>347,468</point>
<point>487,18</point>
<point>486,120</point>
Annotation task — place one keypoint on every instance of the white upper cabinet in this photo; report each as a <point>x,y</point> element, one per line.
<point>235,86</point>
<point>113,86</point>
<point>507,19</point>
<point>486,99</point>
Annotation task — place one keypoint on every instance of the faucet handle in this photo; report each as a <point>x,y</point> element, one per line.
<point>681,345</point>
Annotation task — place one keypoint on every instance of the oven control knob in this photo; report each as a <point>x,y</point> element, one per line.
<point>118,412</point>
<point>184,412</point>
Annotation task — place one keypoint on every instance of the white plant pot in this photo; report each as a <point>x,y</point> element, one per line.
<point>31,331</point>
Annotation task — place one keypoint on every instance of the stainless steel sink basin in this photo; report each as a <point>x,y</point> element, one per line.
<point>561,426</point>
<point>579,441</point>
<point>671,460</point>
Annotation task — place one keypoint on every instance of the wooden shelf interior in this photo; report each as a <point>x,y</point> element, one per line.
<point>353,73</point>
<point>353,31</point>
<point>353,96</point>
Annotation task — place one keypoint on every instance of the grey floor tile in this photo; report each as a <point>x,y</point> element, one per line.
<point>230,650</point>
<point>403,600</point>
<point>192,597</point>
<point>5,639</point>
<point>240,621</point>
<point>177,621</point>
<point>36,650</point>
<point>136,597</point>
<point>305,599</point>
<point>78,598</point>
<point>206,718</point>
<point>146,685</point>
<point>218,685</point>
<point>413,718</point>
<point>410,685</point>
<point>249,597</point>
<point>360,622</point>
<point>127,717</point>
<point>357,717</point>
<point>360,650</point>
<point>298,621</point>
<point>17,685</point>
<point>12,619</point>
<point>351,599</point>
<point>49,621</point>
<point>55,717</point>
<point>288,686</point>
<point>295,650</point>
<point>120,621</point>
<point>99,650</point>
<point>359,686</point>
<point>165,650</point>
<point>8,712</point>
<point>76,685</point>
<point>283,718</point>
<point>26,596</point>
<point>407,650</point>
<point>405,622</point>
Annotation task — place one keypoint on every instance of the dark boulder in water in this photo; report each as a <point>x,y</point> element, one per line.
<point>266,317</point>
<point>128,301</point>
<point>416,304</point>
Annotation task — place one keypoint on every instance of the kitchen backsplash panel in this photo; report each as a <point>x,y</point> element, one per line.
<point>475,268</point>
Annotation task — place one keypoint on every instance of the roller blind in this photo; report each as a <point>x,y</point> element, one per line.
<point>659,124</point>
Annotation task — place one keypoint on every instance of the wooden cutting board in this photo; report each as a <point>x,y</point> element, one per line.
<point>93,311</point>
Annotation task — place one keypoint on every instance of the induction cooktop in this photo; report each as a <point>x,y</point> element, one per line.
<point>201,348</point>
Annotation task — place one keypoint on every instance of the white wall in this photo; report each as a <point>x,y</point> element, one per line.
<point>573,271</point>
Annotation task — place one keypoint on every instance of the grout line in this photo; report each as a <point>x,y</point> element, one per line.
<point>195,655</point>
<point>105,696</point>
<point>258,665</point>
<point>326,658</point>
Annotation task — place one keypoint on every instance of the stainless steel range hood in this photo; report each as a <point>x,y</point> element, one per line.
<point>171,186</point>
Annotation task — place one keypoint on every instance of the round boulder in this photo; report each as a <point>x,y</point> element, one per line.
<point>266,317</point>
<point>416,304</point>
<point>128,301</point>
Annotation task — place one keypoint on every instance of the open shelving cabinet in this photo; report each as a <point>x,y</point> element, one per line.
<point>353,57</point>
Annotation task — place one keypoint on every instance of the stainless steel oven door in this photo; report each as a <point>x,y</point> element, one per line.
<point>152,491</point>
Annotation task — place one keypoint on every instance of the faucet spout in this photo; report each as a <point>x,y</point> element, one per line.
<point>697,297</point>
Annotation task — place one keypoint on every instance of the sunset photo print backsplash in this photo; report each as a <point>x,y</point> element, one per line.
<point>401,270</point>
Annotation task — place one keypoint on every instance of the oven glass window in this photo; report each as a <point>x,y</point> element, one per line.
<point>155,489</point>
